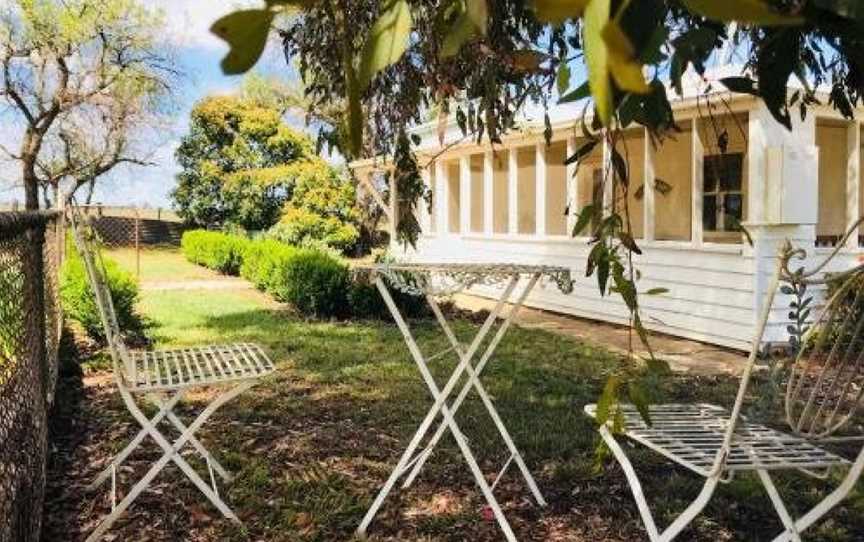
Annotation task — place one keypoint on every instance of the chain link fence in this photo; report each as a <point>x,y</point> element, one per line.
<point>134,227</point>
<point>31,249</point>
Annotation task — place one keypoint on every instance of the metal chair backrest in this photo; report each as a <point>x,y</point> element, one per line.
<point>86,241</point>
<point>826,382</point>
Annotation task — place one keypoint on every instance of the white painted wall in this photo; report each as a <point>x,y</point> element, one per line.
<point>715,289</point>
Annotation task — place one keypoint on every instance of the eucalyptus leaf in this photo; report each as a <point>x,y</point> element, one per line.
<point>470,24</point>
<point>246,32</point>
<point>387,41</point>
<point>558,11</point>
<point>581,92</point>
<point>597,57</point>
<point>657,291</point>
<point>562,80</point>
<point>744,11</point>
<point>639,398</point>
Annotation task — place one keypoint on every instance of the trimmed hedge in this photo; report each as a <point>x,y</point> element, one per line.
<point>263,261</point>
<point>315,282</point>
<point>366,302</point>
<point>79,302</point>
<point>215,250</point>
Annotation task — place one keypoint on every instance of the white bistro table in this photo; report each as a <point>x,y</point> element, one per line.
<point>434,280</point>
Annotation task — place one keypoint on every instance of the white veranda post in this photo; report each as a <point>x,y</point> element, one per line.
<point>432,280</point>
<point>164,377</point>
<point>823,395</point>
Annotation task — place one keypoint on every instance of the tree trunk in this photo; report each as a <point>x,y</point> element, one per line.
<point>30,146</point>
<point>31,188</point>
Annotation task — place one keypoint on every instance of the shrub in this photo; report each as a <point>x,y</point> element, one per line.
<point>215,250</point>
<point>305,228</point>
<point>79,302</point>
<point>263,260</point>
<point>366,302</point>
<point>315,283</point>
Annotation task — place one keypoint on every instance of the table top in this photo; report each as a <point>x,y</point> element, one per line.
<point>445,278</point>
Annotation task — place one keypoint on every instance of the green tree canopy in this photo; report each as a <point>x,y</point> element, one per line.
<point>239,162</point>
<point>243,166</point>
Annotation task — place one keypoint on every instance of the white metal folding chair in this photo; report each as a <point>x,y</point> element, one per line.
<point>164,376</point>
<point>824,391</point>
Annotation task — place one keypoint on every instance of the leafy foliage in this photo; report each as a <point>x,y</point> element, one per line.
<point>322,210</point>
<point>314,283</point>
<point>239,163</point>
<point>482,61</point>
<point>215,250</point>
<point>79,301</point>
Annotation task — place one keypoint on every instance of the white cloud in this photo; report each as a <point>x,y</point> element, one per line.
<point>188,21</point>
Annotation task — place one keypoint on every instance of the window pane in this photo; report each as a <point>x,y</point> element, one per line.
<point>730,172</point>
<point>710,174</point>
<point>556,189</point>
<point>632,149</point>
<point>732,212</point>
<point>709,213</point>
<point>500,191</point>
<point>477,190</point>
<point>454,197</point>
<point>585,178</point>
<point>673,201</point>
<point>596,197</point>
<point>527,190</point>
<point>833,156</point>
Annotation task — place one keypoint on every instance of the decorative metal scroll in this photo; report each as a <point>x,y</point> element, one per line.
<point>826,384</point>
<point>445,279</point>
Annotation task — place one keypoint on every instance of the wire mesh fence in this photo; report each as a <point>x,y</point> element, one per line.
<point>133,227</point>
<point>31,246</point>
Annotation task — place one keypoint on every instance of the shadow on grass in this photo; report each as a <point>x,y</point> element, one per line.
<point>312,444</point>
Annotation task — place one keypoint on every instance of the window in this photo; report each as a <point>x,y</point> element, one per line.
<point>526,189</point>
<point>556,189</point>
<point>478,214</point>
<point>723,201</point>
<point>833,164</point>
<point>673,188</point>
<point>500,191</point>
<point>596,198</point>
<point>454,198</point>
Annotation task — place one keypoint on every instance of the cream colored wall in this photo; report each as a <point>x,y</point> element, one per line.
<point>861,177</point>
<point>673,164</point>
<point>526,189</point>
<point>632,148</point>
<point>585,176</point>
<point>831,140</point>
<point>477,215</point>
<point>556,188</point>
<point>500,193</point>
<point>453,197</point>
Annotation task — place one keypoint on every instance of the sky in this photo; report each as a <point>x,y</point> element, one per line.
<point>198,53</point>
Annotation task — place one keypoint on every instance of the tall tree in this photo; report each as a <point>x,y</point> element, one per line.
<point>81,78</point>
<point>241,164</point>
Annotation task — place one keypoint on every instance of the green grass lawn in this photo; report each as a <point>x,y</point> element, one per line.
<point>161,264</point>
<point>312,445</point>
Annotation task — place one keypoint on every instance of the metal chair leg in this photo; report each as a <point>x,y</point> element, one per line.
<point>106,473</point>
<point>170,454</point>
<point>683,519</point>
